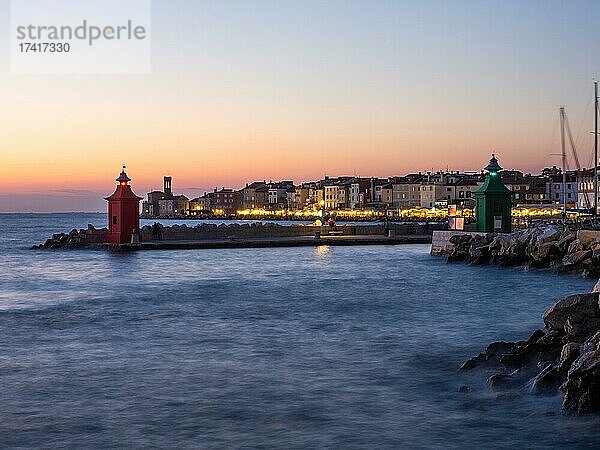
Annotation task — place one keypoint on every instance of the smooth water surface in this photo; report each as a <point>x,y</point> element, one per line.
<point>326,347</point>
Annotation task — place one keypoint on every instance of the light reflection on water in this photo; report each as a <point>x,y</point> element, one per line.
<point>322,251</point>
<point>285,347</point>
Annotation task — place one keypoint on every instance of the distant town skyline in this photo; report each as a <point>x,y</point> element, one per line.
<point>272,90</point>
<point>62,200</point>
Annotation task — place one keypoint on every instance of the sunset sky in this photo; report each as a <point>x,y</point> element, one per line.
<point>267,90</point>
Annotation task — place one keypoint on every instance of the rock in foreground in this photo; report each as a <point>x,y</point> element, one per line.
<point>565,356</point>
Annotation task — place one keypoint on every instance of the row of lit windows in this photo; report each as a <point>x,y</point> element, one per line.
<point>531,196</point>
<point>589,186</point>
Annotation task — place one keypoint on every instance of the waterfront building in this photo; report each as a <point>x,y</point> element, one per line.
<point>401,194</point>
<point>255,195</point>
<point>387,195</point>
<point>414,188</point>
<point>536,195</point>
<point>298,197</point>
<point>301,196</point>
<point>150,206</point>
<point>277,194</point>
<point>433,190</point>
<point>461,190</point>
<point>358,193</point>
<point>173,206</point>
<point>225,200</point>
<point>315,195</point>
<point>166,207</point>
<point>336,192</point>
<point>292,202</point>
<point>554,186</point>
<point>200,205</point>
<point>375,191</point>
<point>164,203</point>
<point>585,189</point>
<point>517,184</point>
<point>330,195</point>
<point>344,193</point>
<point>527,188</point>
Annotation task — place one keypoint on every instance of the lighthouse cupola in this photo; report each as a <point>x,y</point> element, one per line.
<point>123,212</point>
<point>123,178</point>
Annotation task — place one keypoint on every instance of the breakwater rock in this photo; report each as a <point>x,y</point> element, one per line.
<point>75,238</point>
<point>563,357</point>
<point>550,246</point>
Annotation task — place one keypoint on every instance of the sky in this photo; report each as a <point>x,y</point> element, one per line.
<point>278,89</point>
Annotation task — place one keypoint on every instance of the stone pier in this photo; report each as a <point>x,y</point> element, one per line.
<point>440,241</point>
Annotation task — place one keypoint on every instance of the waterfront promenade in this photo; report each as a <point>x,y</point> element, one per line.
<point>296,241</point>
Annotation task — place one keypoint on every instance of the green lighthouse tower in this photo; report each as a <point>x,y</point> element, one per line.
<point>493,201</point>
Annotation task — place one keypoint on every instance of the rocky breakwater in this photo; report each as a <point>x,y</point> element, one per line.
<point>209,231</point>
<point>75,238</point>
<point>564,357</point>
<point>555,247</point>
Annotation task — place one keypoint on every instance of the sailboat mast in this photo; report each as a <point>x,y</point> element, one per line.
<point>595,148</point>
<point>564,161</point>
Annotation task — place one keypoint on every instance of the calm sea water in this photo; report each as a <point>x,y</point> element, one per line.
<point>341,347</point>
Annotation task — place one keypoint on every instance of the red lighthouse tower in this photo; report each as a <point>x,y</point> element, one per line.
<point>123,212</point>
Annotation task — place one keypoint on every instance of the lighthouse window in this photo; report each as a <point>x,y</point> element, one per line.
<point>114,220</point>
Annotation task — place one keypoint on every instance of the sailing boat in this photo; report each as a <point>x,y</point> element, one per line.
<point>565,129</point>
<point>565,132</point>
<point>596,112</point>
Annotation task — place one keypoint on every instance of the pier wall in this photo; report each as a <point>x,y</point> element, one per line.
<point>260,230</point>
<point>440,241</point>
